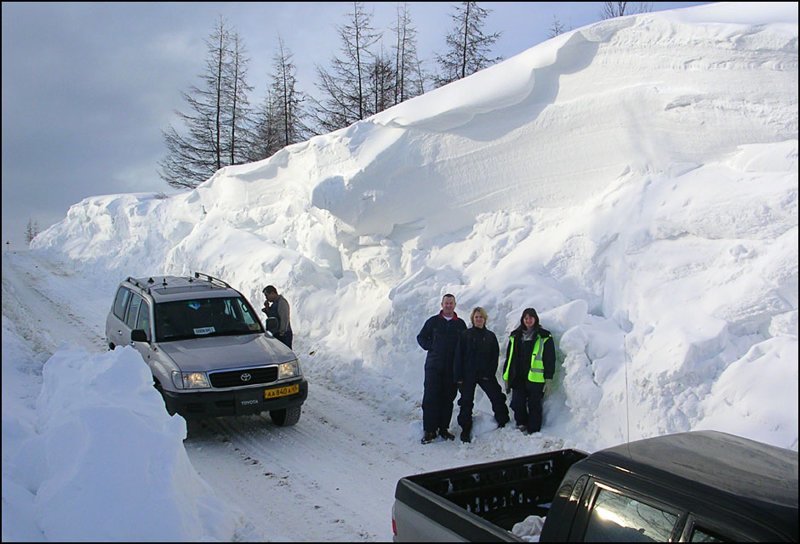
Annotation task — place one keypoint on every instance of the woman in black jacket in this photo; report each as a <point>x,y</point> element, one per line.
<point>475,363</point>
<point>530,360</point>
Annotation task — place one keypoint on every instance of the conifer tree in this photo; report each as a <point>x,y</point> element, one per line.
<point>468,47</point>
<point>215,132</point>
<point>618,9</point>
<point>266,134</point>
<point>281,120</point>
<point>31,230</point>
<point>409,79</point>
<point>382,76</point>
<point>345,97</point>
<point>556,28</point>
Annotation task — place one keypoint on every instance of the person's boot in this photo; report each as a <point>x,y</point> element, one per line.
<point>428,437</point>
<point>465,436</point>
<point>447,435</point>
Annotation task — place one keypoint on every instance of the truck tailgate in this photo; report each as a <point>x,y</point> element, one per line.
<point>479,502</point>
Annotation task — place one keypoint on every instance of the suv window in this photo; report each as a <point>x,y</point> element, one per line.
<point>201,317</point>
<point>143,320</point>
<point>619,518</point>
<point>120,302</point>
<point>133,311</point>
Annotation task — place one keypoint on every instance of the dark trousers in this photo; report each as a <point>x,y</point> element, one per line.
<point>526,401</point>
<point>437,399</point>
<point>467,401</point>
<point>286,338</point>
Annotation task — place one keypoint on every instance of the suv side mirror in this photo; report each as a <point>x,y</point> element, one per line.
<point>271,324</point>
<point>138,335</point>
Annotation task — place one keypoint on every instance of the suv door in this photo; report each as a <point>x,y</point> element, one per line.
<point>115,322</point>
<point>131,317</point>
<point>142,320</point>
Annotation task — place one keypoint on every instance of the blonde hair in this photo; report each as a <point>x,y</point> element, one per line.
<point>482,312</point>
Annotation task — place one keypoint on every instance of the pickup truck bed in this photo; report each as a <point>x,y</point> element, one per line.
<point>693,486</point>
<point>483,502</point>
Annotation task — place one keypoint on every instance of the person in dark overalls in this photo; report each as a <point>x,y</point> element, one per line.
<point>438,337</point>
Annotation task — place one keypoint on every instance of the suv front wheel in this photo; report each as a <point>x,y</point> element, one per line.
<point>285,417</point>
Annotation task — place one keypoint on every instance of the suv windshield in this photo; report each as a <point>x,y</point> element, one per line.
<point>201,317</point>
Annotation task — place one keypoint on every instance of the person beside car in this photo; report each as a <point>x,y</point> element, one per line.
<point>278,307</point>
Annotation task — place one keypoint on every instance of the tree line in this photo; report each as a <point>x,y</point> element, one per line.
<point>221,127</point>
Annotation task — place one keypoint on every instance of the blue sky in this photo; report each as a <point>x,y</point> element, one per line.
<point>88,87</point>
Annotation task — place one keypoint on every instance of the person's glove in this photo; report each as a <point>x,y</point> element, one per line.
<point>546,387</point>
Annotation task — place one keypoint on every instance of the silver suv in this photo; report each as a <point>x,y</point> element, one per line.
<point>206,347</point>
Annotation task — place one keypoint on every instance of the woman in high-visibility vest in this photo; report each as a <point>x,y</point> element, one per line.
<point>530,360</point>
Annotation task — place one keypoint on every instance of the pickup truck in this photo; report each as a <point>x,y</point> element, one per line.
<point>695,486</point>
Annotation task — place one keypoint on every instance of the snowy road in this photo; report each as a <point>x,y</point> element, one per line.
<point>331,477</point>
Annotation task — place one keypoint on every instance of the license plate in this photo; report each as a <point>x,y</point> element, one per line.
<point>281,391</point>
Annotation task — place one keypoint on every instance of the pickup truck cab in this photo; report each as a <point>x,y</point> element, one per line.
<point>206,348</point>
<point>701,486</point>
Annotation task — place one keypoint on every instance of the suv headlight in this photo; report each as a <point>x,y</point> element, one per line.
<point>190,380</point>
<point>288,370</point>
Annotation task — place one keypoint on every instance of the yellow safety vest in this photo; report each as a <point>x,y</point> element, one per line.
<point>536,373</point>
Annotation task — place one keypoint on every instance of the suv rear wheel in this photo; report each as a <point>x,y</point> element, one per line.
<point>285,417</point>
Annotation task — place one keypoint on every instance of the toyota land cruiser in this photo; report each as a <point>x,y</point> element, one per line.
<point>207,349</point>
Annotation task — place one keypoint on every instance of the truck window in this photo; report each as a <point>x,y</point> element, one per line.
<point>615,517</point>
<point>703,535</point>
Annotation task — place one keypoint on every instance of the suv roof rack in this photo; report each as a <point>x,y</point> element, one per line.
<point>150,282</point>
<point>210,279</point>
<point>137,284</point>
<point>146,286</point>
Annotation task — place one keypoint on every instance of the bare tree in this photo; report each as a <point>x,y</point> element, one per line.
<point>266,130</point>
<point>419,78</point>
<point>344,87</point>
<point>556,28</point>
<point>240,114</point>
<point>290,106</point>
<point>467,45</point>
<point>31,231</point>
<point>215,133</point>
<point>618,9</point>
<point>280,121</point>
<point>381,83</point>
<point>409,79</point>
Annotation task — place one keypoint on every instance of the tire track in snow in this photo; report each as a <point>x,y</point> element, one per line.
<point>320,463</point>
<point>44,316</point>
